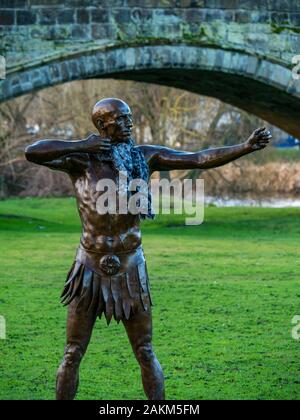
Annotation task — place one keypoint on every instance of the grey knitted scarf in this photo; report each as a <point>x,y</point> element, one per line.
<point>126,157</point>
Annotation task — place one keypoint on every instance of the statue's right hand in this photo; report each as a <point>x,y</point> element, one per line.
<point>96,144</point>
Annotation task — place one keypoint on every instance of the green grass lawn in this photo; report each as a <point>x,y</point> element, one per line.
<point>224,292</point>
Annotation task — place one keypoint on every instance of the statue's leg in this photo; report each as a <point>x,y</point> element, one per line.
<point>79,331</point>
<point>139,331</point>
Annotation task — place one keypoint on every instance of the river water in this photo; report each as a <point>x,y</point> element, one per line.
<point>249,202</point>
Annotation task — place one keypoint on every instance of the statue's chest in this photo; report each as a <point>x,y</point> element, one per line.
<point>99,171</point>
<point>100,177</point>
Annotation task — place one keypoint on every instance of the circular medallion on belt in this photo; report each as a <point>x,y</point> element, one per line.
<point>110,264</point>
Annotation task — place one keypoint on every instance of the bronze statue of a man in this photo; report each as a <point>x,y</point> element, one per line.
<point>109,274</point>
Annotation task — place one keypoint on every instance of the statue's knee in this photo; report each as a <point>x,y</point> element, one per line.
<point>145,353</point>
<point>73,355</point>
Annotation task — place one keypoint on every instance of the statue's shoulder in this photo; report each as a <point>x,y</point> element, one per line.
<point>150,153</point>
<point>78,160</point>
<point>148,149</point>
<point>79,156</point>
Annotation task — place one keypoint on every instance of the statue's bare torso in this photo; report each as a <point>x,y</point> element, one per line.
<point>103,232</point>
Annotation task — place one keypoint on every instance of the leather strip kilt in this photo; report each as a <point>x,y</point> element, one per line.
<point>114,284</point>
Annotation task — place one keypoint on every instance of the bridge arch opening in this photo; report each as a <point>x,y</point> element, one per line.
<point>249,82</point>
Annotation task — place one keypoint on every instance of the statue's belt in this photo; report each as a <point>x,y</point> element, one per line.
<point>110,263</point>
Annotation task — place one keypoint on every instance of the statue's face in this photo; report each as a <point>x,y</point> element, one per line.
<point>119,128</point>
<point>117,124</point>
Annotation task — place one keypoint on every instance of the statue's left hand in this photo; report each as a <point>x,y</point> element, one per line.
<point>259,139</point>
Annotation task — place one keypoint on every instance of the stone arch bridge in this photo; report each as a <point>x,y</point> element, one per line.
<point>238,51</point>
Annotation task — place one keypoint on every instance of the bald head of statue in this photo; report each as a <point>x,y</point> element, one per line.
<point>113,119</point>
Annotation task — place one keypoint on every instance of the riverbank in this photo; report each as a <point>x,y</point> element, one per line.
<point>240,179</point>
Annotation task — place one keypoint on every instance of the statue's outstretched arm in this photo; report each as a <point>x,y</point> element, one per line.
<point>165,159</point>
<point>50,150</point>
